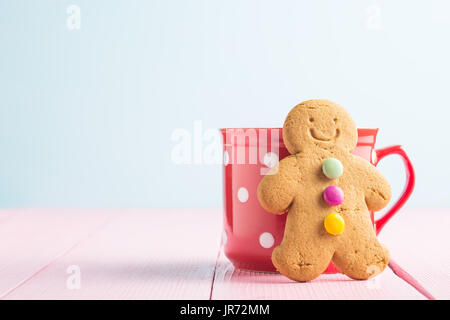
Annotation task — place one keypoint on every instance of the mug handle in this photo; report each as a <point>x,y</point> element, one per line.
<point>410,181</point>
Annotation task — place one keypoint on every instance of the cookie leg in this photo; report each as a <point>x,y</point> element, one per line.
<point>362,260</point>
<point>301,264</point>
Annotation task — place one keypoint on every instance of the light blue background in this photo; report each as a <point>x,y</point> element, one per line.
<point>86,116</point>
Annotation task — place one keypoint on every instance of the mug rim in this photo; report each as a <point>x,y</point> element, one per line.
<point>272,128</point>
<point>362,132</point>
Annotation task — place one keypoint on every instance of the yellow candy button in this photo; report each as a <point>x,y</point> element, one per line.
<point>334,224</point>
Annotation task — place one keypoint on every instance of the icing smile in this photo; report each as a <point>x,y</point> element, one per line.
<point>322,138</point>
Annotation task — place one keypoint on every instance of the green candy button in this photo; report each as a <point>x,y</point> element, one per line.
<point>332,168</point>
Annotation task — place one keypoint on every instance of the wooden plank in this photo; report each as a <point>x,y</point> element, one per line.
<point>141,254</point>
<point>419,241</point>
<point>31,239</point>
<point>231,283</point>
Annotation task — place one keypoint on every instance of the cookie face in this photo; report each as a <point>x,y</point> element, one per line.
<point>319,124</point>
<point>329,192</point>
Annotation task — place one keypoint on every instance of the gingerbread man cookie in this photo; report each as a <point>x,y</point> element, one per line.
<point>328,193</point>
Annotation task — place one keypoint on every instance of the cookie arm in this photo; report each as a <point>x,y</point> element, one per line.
<point>277,188</point>
<point>377,191</point>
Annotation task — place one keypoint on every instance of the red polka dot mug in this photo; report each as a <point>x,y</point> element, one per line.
<point>250,233</point>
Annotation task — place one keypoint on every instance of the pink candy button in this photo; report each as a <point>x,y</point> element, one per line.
<point>333,195</point>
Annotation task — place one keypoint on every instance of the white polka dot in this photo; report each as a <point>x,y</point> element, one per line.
<point>242,194</point>
<point>224,237</point>
<point>270,159</point>
<point>226,158</point>
<point>374,157</point>
<point>266,240</point>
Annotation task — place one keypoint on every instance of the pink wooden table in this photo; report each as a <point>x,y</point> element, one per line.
<point>176,254</point>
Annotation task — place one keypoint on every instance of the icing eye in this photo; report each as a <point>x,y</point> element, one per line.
<point>335,120</point>
<point>311,119</point>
